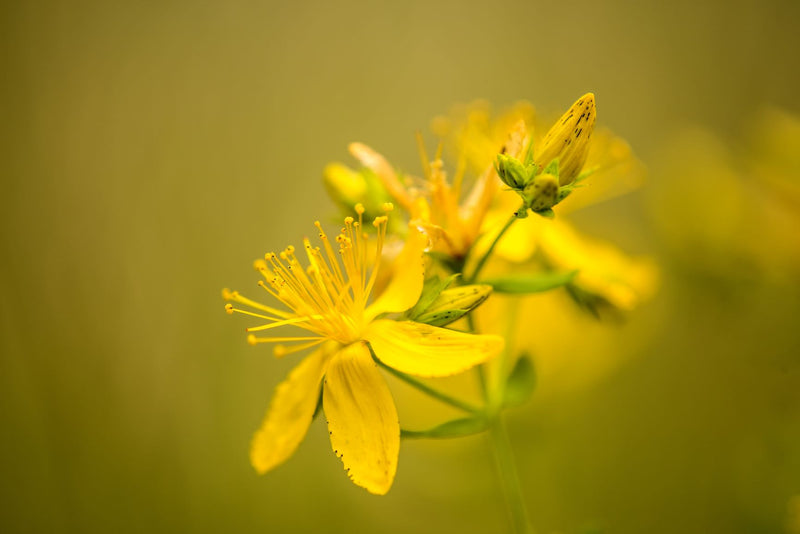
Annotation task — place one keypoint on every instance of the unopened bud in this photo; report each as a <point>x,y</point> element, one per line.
<point>542,193</point>
<point>568,140</point>
<point>454,303</point>
<point>344,185</point>
<point>511,171</point>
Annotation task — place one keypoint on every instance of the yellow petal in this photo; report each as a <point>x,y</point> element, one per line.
<point>362,419</point>
<point>408,276</point>
<point>424,350</point>
<point>289,414</point>
<point>378,164</point>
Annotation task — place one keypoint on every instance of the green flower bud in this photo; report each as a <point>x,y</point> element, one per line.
<point>454,303</point>
<point>568,140</point>
<point>511,171</point>
<point>542,194</point>
<point>346,186</point>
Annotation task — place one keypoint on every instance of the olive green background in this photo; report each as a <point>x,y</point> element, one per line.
<point>151,150</point>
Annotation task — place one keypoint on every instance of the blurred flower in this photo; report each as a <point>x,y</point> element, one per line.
<point>606,276</point>
<point>453,220</point>
<point>330,299</point>
<point>729,212</point>
<point>608,281</point>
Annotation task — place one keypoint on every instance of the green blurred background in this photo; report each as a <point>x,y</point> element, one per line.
<point>152,150</point>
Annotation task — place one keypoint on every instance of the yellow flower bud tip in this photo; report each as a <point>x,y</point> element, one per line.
<point>568,139</point>
<point>359,208</point>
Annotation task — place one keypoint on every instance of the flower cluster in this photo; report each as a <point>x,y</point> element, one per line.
<point>359,308</point>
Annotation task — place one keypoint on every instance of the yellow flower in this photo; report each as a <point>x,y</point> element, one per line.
<point>451,217</point>
<point>605,274</point>
<point>330,299</point>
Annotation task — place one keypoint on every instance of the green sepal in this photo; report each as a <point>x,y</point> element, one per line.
<point>547,214</point>
<point>520,284</point>
<point>431,289</point>
<point>456,428</point>
<point>551,168</point>
<point>520,383</point>
<point>528,154</point>
<point>452,264</point>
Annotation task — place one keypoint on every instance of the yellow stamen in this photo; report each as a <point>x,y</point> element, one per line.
<point>329,296</point>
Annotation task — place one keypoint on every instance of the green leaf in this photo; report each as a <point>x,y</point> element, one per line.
<point>452,429</point>
<point>431,289</point>
<point>520,383</point>
<point>530,283</point>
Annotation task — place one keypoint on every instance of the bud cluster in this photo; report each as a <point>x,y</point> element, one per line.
<point>546,178</point>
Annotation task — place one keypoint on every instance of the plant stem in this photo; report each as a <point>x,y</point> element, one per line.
<point>471,279</point>
<point>479,369</point>
<point>447,399</point>
<point>508,476</point>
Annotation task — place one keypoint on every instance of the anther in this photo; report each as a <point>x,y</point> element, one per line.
<point>229,309</point>
<point>360,208</point>
<point>252,340</point>
<point>227,294</point>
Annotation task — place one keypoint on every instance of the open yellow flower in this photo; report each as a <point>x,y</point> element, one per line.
<point>451,216</point>
<point>331,300</point>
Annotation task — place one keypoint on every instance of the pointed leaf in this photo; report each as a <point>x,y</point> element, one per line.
<point>520,383</point>
<point>452,429</point>
<point>530,283</point>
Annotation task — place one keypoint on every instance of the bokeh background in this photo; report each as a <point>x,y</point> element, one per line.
<point>152,150</point>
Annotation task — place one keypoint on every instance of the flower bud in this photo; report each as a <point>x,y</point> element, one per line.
<point>511,171</point>
<point>568,140</point>
<point>344,185</point>
<point>454,303</point>
<point>542,194</point>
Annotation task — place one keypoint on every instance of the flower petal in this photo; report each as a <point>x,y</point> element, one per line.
<point>290,413</point>
<point>424,350</point>
<point>362,419</point>
<point>406,283</point>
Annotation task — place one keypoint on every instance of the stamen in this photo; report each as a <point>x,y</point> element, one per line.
<point>231,310</point>
<point>282,350</point>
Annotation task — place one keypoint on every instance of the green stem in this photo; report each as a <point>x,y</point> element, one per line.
<point>479,369</point>
<point>447,399</point>
<point>507,470</point>
<point>471,279</point>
